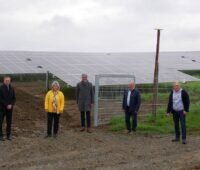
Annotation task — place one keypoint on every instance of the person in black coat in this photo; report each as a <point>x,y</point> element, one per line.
<point>7,101</point>
<point>178,105</point>
<point>131,104</point>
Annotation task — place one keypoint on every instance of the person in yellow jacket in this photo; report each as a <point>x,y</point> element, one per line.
<point>54,106</point>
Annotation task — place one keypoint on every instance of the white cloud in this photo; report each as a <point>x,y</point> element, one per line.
<point>99,25</point>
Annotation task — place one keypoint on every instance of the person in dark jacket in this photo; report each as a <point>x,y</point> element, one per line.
<point>178,105</point>
<point>85,100</point>
<point>7,101</point>
<point>131,104</point>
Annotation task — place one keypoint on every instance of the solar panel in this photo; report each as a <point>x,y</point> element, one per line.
<point>69,66</point>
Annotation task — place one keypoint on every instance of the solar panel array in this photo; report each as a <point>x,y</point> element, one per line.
<point>69,66</point>
<point>18,62</point>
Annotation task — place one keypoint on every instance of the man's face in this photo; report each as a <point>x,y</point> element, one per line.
<point>177,87</point>
<point>84,77</point>
<point>131,85</point>
<point>7,81</point>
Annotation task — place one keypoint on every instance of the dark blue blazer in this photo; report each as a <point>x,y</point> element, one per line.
<point>185,99</point>
<point>135,101</point>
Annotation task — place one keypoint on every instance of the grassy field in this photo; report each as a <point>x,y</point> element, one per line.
<point>163,124</point>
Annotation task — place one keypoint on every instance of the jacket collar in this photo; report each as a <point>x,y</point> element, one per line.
<point>5,86</point>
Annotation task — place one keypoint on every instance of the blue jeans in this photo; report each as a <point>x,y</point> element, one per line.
<point>179,115</point>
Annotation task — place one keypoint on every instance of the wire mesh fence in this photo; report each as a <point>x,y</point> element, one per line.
<point>109,98</point>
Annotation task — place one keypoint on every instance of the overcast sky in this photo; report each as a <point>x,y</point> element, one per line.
<point>99,25</point>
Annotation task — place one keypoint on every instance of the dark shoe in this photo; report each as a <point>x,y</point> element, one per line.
<point>82,129</point>
<point>48,136</point>
<point>9,138</point>
<point>2,139</point>
<point>89,130</point>
<point>129,132</point>
<point>184,142</point>
<point>175,140</point>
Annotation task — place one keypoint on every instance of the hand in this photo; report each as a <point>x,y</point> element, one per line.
<point>46,110</point>
<point>168,114</point>
<point>9,107</point>
<point>184,113</point>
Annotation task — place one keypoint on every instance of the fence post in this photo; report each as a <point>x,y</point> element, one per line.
<point>96,105</point>
<point>156,74</point>
<point>47,80</point>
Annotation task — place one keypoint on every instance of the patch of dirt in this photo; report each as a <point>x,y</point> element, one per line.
<point>72,149</point>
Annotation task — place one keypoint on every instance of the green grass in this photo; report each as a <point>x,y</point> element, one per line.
<point>193,88</point>
<point>162,124</point>
<point>146,97</point>
<point>193,118</point>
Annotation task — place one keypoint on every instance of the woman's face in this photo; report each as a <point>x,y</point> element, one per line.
<point>55,87</point>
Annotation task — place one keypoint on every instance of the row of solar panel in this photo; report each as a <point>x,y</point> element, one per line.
<point>69,66</point>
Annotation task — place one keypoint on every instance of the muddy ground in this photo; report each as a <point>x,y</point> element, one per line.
<point>72,149</point>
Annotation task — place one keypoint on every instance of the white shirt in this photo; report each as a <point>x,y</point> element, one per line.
<point>128,98</point>
<point>177,100</point>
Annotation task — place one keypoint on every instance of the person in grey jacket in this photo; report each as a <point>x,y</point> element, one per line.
<point>85,100</point>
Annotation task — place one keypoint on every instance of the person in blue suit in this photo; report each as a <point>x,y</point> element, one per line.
<point>131,104</point>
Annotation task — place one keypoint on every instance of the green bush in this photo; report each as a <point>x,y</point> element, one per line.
<point>69,92</point>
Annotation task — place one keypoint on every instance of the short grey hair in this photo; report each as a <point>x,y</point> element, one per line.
<point>131,82</point>
<point>84,74</point>
<point>55,83</point>
<point>177,83</point>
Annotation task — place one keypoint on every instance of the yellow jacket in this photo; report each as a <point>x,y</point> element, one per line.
<point>48,104</point>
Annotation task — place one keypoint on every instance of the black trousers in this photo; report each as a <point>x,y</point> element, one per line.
<point>8,115</point>
<point>179,117</point>
<point>128,116</point>
<point>52,121</point>
<point>88,118</point>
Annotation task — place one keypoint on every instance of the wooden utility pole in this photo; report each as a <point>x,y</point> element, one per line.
<point>156,74</point>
